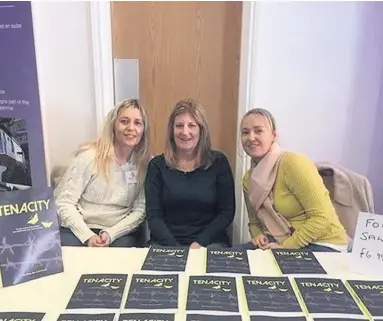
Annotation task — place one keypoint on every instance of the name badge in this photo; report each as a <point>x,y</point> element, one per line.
<point>130,177</point>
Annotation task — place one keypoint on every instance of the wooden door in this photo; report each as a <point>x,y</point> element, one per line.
<point>185,50</point>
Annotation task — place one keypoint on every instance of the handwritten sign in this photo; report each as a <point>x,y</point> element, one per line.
<point>367,251</point>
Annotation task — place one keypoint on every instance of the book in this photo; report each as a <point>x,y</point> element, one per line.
<point>270,318</point>
<point>271,296</point>
<point>227,261</point>
<point>98,293</point>
<point>204,317</point>
<point>326,297</point>
<point>161,258</point>
<point>338,319</point>
<point>86,317</point>
<point>370,293</point>
<point>15,316</point>
<point>213,294</point>
<point>146,317</point>
<point>30,244</point>
<point>297,262</point>
<point>153,292</point>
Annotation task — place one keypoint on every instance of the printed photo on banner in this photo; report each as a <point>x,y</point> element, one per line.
<point>15,170</point>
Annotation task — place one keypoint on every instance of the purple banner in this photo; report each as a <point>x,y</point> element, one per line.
<point>22,157</point>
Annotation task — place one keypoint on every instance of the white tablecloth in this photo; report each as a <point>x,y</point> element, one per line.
<point>51,294</point>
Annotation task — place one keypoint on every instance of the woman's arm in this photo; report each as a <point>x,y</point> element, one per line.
<point>305,183</point>
<point>225,208</point>
<point>131,221</point>
<point>69,191</point>
<point>154,209</point>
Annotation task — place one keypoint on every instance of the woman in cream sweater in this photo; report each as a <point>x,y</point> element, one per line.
<point>100,199</point>
<point>287,202</point>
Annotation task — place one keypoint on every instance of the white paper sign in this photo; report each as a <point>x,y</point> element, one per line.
<point>131,177</point>
<point>367,251</point>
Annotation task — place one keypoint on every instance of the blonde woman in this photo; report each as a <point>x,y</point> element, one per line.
<point>190,188</point>
<point>287,201</point>
<point>100,199</point>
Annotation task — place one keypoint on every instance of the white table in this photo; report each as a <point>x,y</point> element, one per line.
<point>51,294</point>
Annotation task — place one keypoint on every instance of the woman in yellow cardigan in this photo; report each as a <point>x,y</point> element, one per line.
<point>287,202</point>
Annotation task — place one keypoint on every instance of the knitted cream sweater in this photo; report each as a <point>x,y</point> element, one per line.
<point>85,200</point>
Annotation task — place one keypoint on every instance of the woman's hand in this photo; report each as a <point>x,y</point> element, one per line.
<point>273,245</point>
<point>105,237</point>
<point>195,245</point>
<point>260,241</point>
<point>95,241</point>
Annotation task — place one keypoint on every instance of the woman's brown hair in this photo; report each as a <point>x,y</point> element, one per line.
<point>204,153</point>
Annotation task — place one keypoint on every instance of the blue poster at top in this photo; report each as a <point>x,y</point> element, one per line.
<point>22,156</point>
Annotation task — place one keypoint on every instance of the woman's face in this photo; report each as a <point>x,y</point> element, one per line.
<point>186,132</point>
<point>129,127</point>
<point>257,136</point>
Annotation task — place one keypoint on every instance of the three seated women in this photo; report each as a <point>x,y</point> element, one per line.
<point>187,193</point>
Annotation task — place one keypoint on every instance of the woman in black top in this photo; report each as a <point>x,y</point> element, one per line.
<point>189,189</point>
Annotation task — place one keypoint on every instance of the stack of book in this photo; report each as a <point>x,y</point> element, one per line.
<point>297,263</point>
<point>226,261</point>
<point>86,317</point>
<point>271,296</point>
<point>207,317</point>
<point>227,291</point>
<point>215,295</point>
<point>325,297</point>
<point>370,295</point>
<point>166,259</point>
<point>95,295</point>
<point>153,293</point>
<point>281,318</point>
<point>15,316</point>
<point>149,297</point>
<point>98,293</point>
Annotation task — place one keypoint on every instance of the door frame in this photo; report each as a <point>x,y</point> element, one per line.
<point>102,52</point>
<point>101,29</point>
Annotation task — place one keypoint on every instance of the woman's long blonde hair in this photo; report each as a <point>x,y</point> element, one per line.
<point>104,145</point>
<point>204,153</point>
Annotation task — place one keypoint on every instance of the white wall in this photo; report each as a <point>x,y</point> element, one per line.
<point>65,70</point>
<point>375,171</point>
<point>318,67</point>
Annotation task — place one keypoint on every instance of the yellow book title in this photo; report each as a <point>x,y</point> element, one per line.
<point>24,208</point>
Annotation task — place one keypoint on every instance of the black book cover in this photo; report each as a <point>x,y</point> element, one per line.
<point>205,317</point>
<point>86,317</point>
<point>146,317</point>
<point>371,295</point>
<point>212,293</point>
<point>98,292</point>
<point>297,262</point>
<point>161,258</point>
<point>15,316</point>
<point>153,292</point>
<point>227,261</point>
<point>269,318</point>
<point>337,319</point>
<point>271,295</point>
<point>324,297</point>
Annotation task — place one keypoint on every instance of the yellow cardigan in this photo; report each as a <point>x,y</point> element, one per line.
<point>301,197</point>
